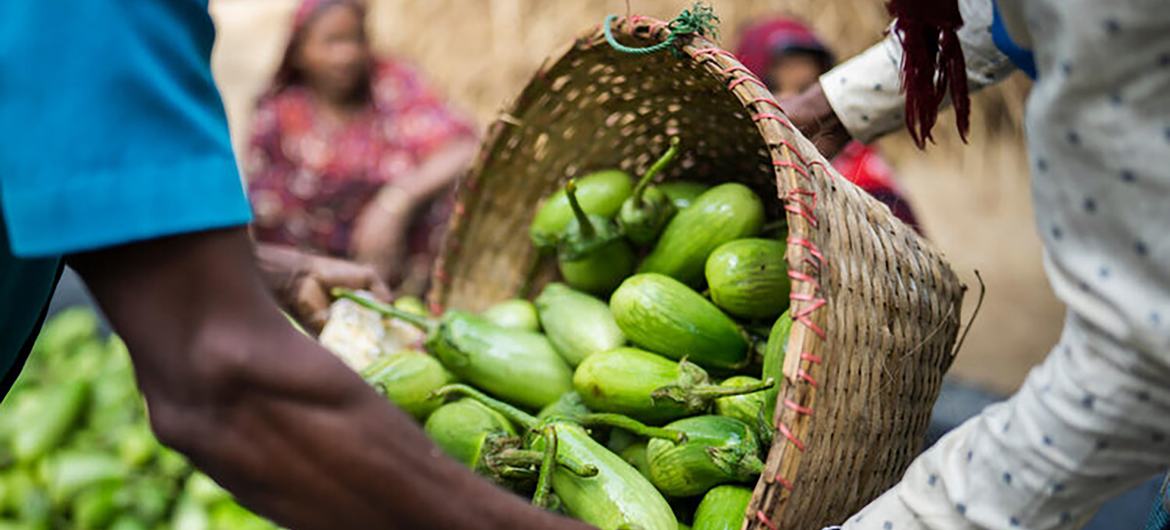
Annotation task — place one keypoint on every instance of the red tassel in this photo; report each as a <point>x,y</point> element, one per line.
<point>932,64</point>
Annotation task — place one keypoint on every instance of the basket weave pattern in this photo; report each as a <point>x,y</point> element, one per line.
<point>876,307</point>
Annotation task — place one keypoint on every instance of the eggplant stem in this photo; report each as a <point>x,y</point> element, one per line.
<point>634,426</point>
<point>752,464</point>
<point>587,229</point>
<point>548,466</point>
<point>519,458</point>
<point>515,415</point>
<point>655,168</point>
<point>425,324</point>
<point>576,467</point>
<point>717,391</point>
<point>516,473</point>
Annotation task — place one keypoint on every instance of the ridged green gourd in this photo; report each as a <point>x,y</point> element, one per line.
<point>577,324</point>
<point>755,409</point>
<point>408,379</point>
<point>514,313</point>
<point>601,193</point>
<point>664,316</point>
<point>748,278</point>
<point>648,387</point>
<point>774,353</point>
<point>723,508</point>
<point>682,193</point>
<point>724,213</point>
<point>592,254</point>
<point>593,484</point>
<point>493,358</point>
<point>464,429</point>
<point>718,450</point>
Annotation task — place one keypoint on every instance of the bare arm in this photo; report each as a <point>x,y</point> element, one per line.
<point>379,236</point>
<point>267,412</point>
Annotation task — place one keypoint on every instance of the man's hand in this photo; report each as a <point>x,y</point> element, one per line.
<point>267,412</point>
<point>811,113</point>
<point>302,282</point>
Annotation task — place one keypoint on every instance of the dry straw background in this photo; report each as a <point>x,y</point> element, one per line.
<point>973,199</point>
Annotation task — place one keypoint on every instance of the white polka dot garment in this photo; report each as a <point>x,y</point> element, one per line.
<point>1094,419</point>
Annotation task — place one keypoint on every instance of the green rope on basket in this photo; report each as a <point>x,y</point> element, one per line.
<point>700,18</point>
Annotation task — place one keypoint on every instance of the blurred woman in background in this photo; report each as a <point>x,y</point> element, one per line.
<point>788,57</point>
<point>353,156</point>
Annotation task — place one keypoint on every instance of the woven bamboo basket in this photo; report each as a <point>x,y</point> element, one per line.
<point>876,307</point>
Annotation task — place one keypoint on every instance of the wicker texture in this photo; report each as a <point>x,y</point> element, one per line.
<point>877,308</point>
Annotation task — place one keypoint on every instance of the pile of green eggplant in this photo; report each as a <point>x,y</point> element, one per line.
<point>76,450</point>
<point>637,391</point>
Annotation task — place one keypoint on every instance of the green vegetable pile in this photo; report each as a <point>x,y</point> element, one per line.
<point>633,394</point>
<point>76,450</point>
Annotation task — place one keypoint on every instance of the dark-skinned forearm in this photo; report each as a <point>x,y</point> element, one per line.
<point>265,411</point>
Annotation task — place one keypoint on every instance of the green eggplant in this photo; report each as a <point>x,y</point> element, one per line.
<point>577,324</point>
<point>648,209</point>
<point>149,497</point>
<point>128,522</point>
<point>172,464</point>
<point>190,515</point>
<point>635,455</point>
<point>682,193</point>
<point>68,330</point>
<point>723,508</point>
<point>718,450</point>
<point>593,484</point>
<point>95,507</point>
<point>756,409</point>
<point>232,516</point>
<point>724,213</point>
<point>466,430</point>
<point>412,304</point>
<point>774,353</point>
<point>601,193</point>
<point>407,379</point>
<point>515,313</point>
<point>569,406</point>
<point>28,500</point>
<point>592,255</point>
<point>68,472</point>
<point>519,366</point>
<point>57,410</point>
<point>664,316</point>
<point>749,278</point>
<point>648,387</point>
<point>205,490</point>
<point>137,445</point>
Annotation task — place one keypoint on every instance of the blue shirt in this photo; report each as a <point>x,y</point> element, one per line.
<point>111,131</point>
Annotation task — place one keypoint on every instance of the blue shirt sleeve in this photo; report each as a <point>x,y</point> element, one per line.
<point>111,127</point>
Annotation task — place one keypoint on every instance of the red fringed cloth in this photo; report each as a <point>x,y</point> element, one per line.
<point>932,63</point>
